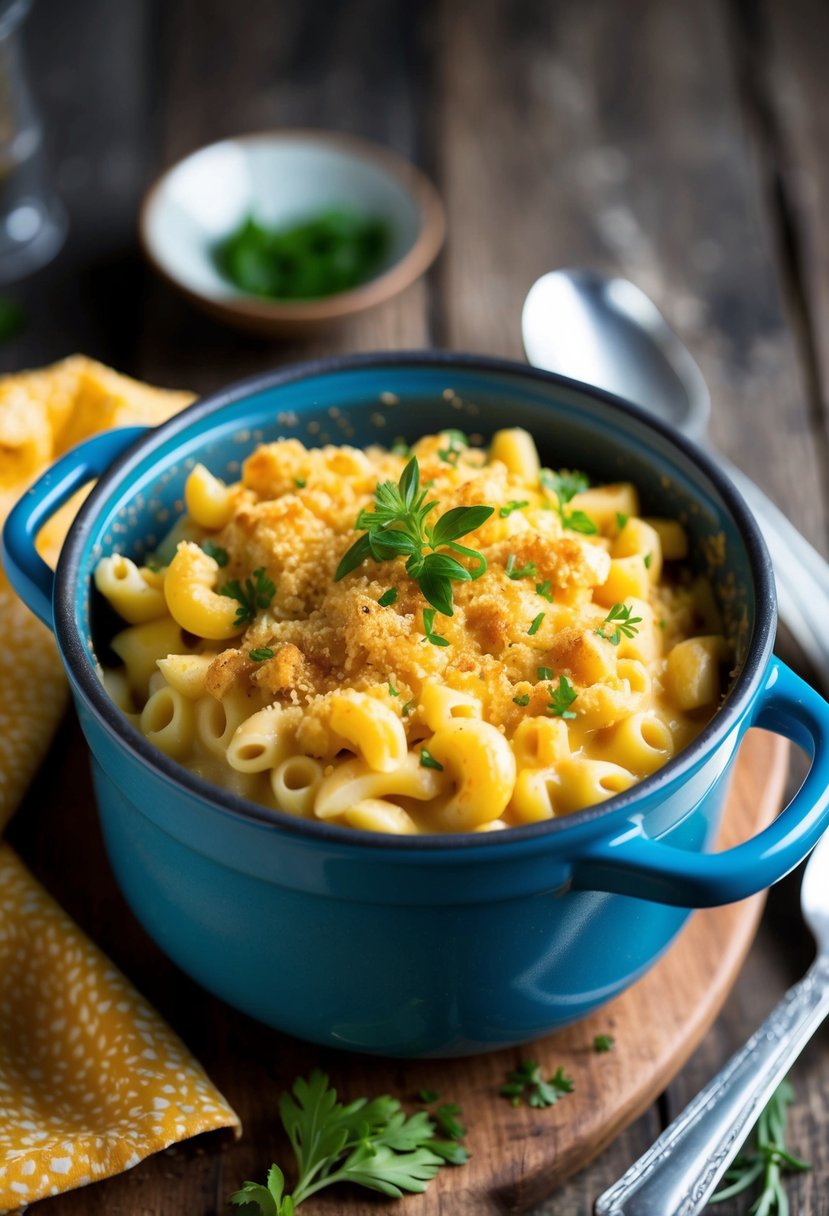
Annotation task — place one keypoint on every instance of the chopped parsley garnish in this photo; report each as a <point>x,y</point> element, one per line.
<point>408,707</point>
<point>526,1083</point>
<point>257,592</point>
<point>603,1042</point>
<point>647,559</point>
<point>513,571</point>
<point>261,654</point>
<point>621,519</point>
<point>300,483</point>
<point>372,1143</point>
<point>429,628</point>
<point>513,505</point>
<point>523,699</point>
<point>219,555</point>
<point>536,625</point>
<point>565,485</point>
<point>544,673</point>
<point>427,760</point>
<point>428,1095</point>
<point>392,690</point>
<point>456,442</point>
<point>397,528</point>
<point>545,590</point>
<point>561,699</point>
<point>388,597</point>
<point>621,622</point>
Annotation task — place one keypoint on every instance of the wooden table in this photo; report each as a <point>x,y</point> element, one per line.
<point>683,145</point>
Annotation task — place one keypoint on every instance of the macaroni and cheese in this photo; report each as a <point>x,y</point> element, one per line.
<point>436,639</point>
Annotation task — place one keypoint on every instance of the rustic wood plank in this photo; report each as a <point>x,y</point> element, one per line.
<point>614,138</point>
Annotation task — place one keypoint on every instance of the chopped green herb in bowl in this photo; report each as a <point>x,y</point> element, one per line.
<point>326,253</point>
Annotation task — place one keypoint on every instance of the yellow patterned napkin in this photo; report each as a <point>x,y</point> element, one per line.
<point>91,1079</point>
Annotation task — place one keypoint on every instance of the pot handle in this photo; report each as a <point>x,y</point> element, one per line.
<point>633,864</point>
<point>28,573</point>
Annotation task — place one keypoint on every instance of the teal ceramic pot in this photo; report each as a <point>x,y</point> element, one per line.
<point>427,945</point>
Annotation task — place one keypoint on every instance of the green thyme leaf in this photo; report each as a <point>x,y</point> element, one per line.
<point>256,592</point>
<point>511,506</point>
<point>261,654</point>
<point>388,597</point>
<point>514,571</point>
<point>536,625</point>
<point>565,485</point>
<point>219,555</point>
<point>621,621</point>
<point>561,699</point>
<point>456,441</point>
<point>428,628</point>
<point>427,760</point>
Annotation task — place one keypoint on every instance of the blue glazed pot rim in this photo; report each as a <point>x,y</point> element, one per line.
<point>618,807</point>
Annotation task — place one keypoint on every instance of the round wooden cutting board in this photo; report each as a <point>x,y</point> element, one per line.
<point>520,1155</point>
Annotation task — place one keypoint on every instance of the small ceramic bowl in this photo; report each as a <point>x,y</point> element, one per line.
<point>282,177</point>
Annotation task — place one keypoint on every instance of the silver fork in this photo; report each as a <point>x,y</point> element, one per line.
<point>679,1172</point>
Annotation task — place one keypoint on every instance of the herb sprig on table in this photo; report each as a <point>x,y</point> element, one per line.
<point>372,1143</point>
<point>766,1161</point>
<point>397,527</point>
<point>527,1084</point>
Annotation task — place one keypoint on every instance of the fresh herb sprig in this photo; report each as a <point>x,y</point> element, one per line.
<point>620,622</point>
<point>527,1084</point>
<point>372,1143</point>
<point>565,485</point>
<point>514,571</point>
<point>766,1161</point>
<point>561,699</point>
<point>603,1043</point>
<point>397,527</point>
<point>257,592</point>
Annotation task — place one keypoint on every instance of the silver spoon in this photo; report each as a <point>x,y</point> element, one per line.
<point>606,332</point>
<point>680,1171</point>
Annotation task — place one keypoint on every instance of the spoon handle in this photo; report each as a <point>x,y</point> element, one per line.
<point>679,1172</point>
<point>802,575</point>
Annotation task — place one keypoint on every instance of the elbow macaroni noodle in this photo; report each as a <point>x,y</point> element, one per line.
<point>576,664</point>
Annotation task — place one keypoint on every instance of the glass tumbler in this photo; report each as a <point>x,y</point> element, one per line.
<point>32,220</point>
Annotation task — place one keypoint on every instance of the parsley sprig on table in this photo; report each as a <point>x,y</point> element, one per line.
<point>526,1083</point>
<point>397,527</point>
<point>257,592</point>
<point>372,1143</point>
<point>565,485</point>
<point>621,621</point>
<point>766,1160</point>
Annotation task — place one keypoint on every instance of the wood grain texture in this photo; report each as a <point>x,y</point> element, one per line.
<point>518,1155</point>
